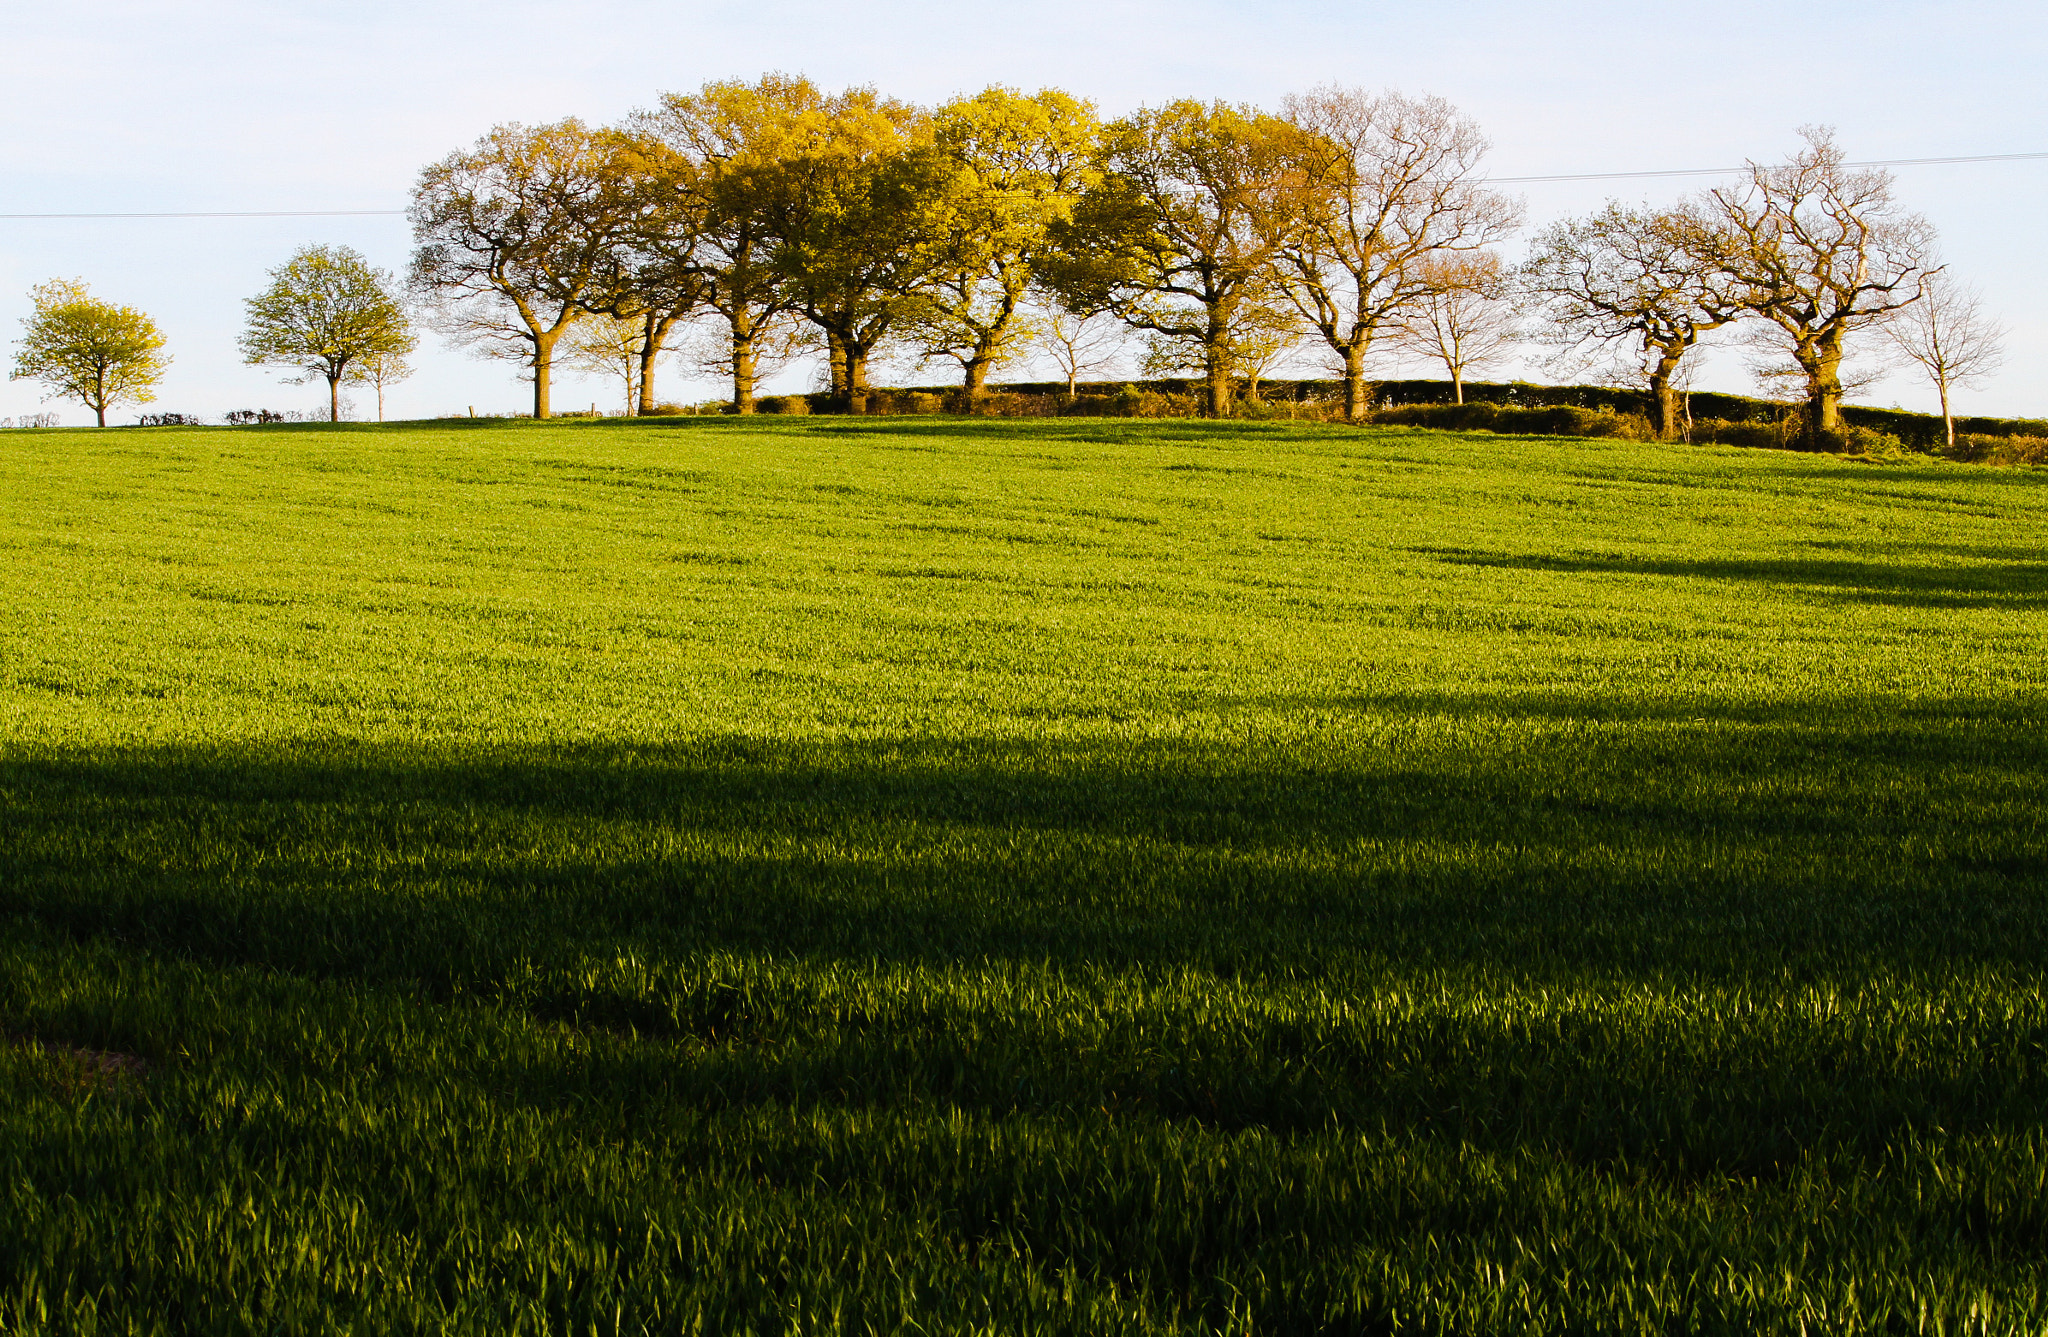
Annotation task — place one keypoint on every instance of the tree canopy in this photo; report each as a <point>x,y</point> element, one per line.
<point>326,310</point>
<point>92,351</point>
<point>1228,236</point>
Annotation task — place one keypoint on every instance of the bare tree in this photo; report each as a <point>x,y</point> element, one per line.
<point>1379,183</point>
<point>1948,333</point>
<point>609,346</point>
<point>1638,280</point>
<point>1080,345</point>
<point>1464,317</point>
<point>380,370</point>
<point>520,236</point>
<point>1822,252</point>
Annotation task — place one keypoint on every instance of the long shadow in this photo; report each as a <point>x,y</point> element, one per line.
<point>1982,584</point>
<point>750,902</point>
<point>1736,843</point>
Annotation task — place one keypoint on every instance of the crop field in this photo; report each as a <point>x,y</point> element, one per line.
<point>970,876</point>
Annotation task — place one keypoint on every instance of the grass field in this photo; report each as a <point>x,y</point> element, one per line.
<point>1087,876</point>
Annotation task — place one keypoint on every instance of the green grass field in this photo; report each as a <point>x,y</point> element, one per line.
<point>1087,876</point>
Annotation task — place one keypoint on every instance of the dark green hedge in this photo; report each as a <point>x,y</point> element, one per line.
<point>1919,431</point>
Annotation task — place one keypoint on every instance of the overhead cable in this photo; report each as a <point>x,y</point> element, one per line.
<point>1497,180</point>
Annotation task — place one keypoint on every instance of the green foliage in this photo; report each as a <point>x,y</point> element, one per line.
<point>1018,165</point>
<point>92,351</point>
<point>328,311</point>
<point>1067,877</point>
<point>1174,238</point>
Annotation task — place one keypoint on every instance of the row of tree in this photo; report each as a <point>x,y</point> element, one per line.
<point>850,223</point>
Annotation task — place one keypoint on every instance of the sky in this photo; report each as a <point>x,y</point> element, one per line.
<point>235,105</point>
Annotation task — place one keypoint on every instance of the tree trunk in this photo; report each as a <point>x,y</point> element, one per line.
<point>102,410</point>
<point>334,397</point>
<point>1216,367</point>
<point>856,379</point>
<point>976,376</point>
<point>1354,383</point>
<point>1948,423</point>
<point>1663,395</point>
<point>742,361</point>
<point>543,369</point>
<point>1457,383</point>
<point>380,399</point>
<point>1823,367</point>
<point>835,357</point>
<point>653,330</point>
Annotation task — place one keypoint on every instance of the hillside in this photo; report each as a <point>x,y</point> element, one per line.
<point>1081,876</point>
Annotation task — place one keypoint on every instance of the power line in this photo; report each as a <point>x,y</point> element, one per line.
<point>244,213</point>
<point>1728,171</point>
<point>1498,181</point>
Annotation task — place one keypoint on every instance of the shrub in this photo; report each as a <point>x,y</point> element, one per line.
<point>170,420</point>
<point>784,404</point>
<point>1980,448</point>
<point>1749,435</point>
<point>1549,420</point>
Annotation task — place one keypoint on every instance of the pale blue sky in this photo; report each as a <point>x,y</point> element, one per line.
<point>140,106</point>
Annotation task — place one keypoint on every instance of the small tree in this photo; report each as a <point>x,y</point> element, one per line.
<point>380,370</point>
<point>1080,345</point>
<point>1952,339</point>
<point>325,308</point>
<point>1463,319</point>
<point>92,351</point>
<point>610,346</point>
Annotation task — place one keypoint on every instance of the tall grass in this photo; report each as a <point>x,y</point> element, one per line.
<point>1016,877</point>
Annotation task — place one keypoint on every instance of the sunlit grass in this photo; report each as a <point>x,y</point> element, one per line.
<point>1086,876</point>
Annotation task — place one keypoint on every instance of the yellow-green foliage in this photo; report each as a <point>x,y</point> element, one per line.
<point>960,876</point>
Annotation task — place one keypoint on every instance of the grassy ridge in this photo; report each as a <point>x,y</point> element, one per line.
<point>1072,877</point>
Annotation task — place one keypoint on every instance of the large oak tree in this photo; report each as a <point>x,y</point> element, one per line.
<point>520,236</point>
<point>1017,166</point>
<point>716,193</point>
<point>855,201</point>
<point>1175,237</point>
<point>1822,251</point>
<point>1377,185</point>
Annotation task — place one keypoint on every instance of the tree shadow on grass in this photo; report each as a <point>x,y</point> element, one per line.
<point>1725,842</point>
<point>757,921</point>
<point>1982,584</point>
